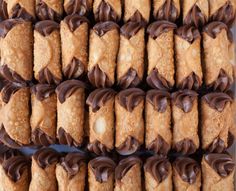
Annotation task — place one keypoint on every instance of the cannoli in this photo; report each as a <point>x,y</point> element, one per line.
<point>70,112</point>
<point>185,110</point>
<point>103,53</point>
<point>217,118</point>
<point>186,174</point>
<point>47,69</point>
<point>43,117</point>
<point>16,50</point>
<point>188,58</point>
<point>217,66</point>
<point>81,7</point>
<point>23,9</point>
<point>101,173</point>
<point>71,172</point>
<point>218,172</point>
<point>158,174</point>
<point>222,10</point>
<point>166,10</point>
<point>49,10</point>
<point>128,174</point>
<point>195,12</point>
<point>129,106</point>
<point>158,122</point>
<point>15,116</point>
<point>101,120</point>
<point>43,170</point>
<point>3,10</point>
<point>15,174</point>
<point>137,10</point>
<point>107,10</point>
<point>74,37</point>
<point>130,61</point>
<point>160,49</point>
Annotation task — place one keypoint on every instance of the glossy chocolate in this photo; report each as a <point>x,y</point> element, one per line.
<point>159,146</point>
<point>80,7</point>
<point>188,33</point>
<point>98,148</point>
<point>102,28</point>
<point>191,82</point>
<point>130,79</point>
<point>185,147</point>
<point>130,146</point>
<point>75,21</point>
<point>43,91</point>
<point>45,28</point>
<point>40,138</point>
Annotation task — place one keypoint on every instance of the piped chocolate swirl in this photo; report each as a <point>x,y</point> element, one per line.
<point>159,99</point>
<point>187,168</point>
<point>3,10</point>
<point>6,153</point>
<point>41,138</point>
<point>217,100</point>
<point>98,78</point>
<point>43,91</point>
<point>74,69</point>
<point>46,77</point>
<point>67,88</point>
<point>125,165</point>
<point>185,147</point>
<point>46,157</point>
<point>191,82</point>
<point>74,21</point>
<point>7,140</point>
<point>130,98</point>
<point>102,168</point>
<point>217,146</point>
<point>98,148</point>
<point>159,27</point>
<point>167,11</point>
<point>225,14</point>
<point>158,167</point>
<point>15,166</point>
<point>184,99</point>
<point>102,28</point>
<point>45,28</point>
<point>65,138</point>
<point>21,13</point>
<point>105,12</point>
<point>7,25</point>
<point>137,17</point>
<point>72,163</point>
<point>188,33</point>
<point>157,81</point>
<point>222,164</point>
<point>214,28</point>
<point>159,146</point>
<point>99,97</point>
<point>130,29</point>
<point>195,17</point>
<point>130,79</point>
<point>80,7</point>
<point>130,146</point>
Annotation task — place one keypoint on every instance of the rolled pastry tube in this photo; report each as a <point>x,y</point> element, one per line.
<point>101,173</point>
<point>217,119</point>
<point>43,117</point>
<point>160,49</point>
<point>74,37</point>
<point>23,9</point>
<point>129,106</point>
<point>16,50</point>
<point>184,110</point>
<point>130,61</point>
<point>15,174</point>
<point>218,69</point>
<point>128,174</point>
<point>70,112</point>
<point>188,58</point>
<point>137,10</point>
<point>186,174</point>
<point>218,172</point>
<point>43,170</point>
<point>81,7</point>
<point>195,12</point>
<point>103,53</point>
<point>158,174</point>
<point>222,10</point>
<point>158,122</point>
<point>47,69</point>
<point>49,10</point>
<point>15,119</point>
<point>101,120</point>
<point>107,10</point>
<point>71,172</point>
<point>168,10</point>
<point>3,10</point>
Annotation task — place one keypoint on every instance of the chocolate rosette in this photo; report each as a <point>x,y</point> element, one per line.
<point>98,148</point>
<point>43,91</point>
<point>3,10</point>
<point>188,33</point>
<point>130,29</point>
<point>20,12</point>
<point>130,146</point>
<point>102,168</point>
<point>214,28</point>
<point>81,7</point>
<point>159,146</point>
<point>74,21</point>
